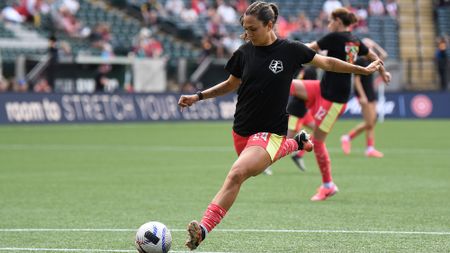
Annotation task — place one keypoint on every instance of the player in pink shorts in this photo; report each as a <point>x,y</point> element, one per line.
<point>327,98</point>
<point>261,72</point>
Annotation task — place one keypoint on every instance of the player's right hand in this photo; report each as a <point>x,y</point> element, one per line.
<point>187,100</point>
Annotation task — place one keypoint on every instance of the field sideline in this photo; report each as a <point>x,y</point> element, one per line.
<point>87,188</point>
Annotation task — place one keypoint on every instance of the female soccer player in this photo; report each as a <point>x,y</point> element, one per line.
<point>261,71</point>
<point>327,98</point>
<point>367,98</point>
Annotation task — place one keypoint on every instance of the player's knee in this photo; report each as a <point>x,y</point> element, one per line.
<point>237,175</point>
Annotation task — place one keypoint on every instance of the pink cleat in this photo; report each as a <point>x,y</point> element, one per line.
<point>346,145</point>
<point>324,193</point>
<point>374,153</point>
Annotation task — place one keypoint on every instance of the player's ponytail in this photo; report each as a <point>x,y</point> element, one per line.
<point>348,18</point>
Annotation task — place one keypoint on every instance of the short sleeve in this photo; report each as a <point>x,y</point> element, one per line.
<point>235,64</point>
<point>303,53</point>
<point>326,42</point>
<point>363,49</point>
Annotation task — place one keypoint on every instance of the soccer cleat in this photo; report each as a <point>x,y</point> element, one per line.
<point>268,171</point>
<point>304,141</point>
<point>195,235</point>
<point>299,161</point>
<point>324,193</point>
<point>346,145</point>
<point>374,153</point>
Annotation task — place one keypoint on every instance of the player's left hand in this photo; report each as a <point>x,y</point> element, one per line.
<point>374,66</point>
<point>386,77</point>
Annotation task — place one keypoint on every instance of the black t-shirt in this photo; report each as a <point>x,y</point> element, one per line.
<point>336,87</point>
<point>366,81</point>
<point>266,73</point>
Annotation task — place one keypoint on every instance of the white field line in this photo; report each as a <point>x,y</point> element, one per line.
<point>93,250</point>
<point>186,149</point>
<point>305,231</point>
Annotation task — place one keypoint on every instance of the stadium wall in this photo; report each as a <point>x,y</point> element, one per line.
<point>41,108</point>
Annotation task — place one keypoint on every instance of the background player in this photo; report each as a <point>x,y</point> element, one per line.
<point>365,91</point>
<point>327,99</point>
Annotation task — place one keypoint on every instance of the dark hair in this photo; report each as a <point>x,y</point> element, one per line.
<point>265,12</point>
<point>348,18</point>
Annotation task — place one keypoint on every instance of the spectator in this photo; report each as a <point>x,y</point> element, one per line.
<point>216,31</point>
<point>100,35</point>
<point>304,24</point>
<point>199,6</point>
<point>226,12</point>
<point>391,8</point>
<point>321,22</point>
<point>189,15</point>
<point>442,62</point>
<point>10,14</point>
<point>53,61</point>
<point>151,10</point>
<point>31,10</point>
<point>42,86</point>
<point>362,14</point>
<point>147,46</point>
<point>101,78</point>
<point>330,5</point>
<point>231,42</point>
<point>376,8</point>
<point>241,6</point>
<point>4,85</point>
<point>174,7</point>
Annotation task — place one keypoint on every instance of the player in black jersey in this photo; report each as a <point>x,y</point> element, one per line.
<point>367,98</point>
<point>261,72</point>
<point>327,99</point>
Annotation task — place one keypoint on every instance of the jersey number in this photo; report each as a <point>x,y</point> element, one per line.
<point>320,114</point>
<point>262,136</point>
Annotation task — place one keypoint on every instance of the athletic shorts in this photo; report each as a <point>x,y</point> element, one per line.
<point>370,92</point>
<point>296,124</point>
<point>268,141</point>
<point>296,107</point>
<point>324,112</point>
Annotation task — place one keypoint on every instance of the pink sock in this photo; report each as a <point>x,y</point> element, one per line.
<point>287,146</point>
<point>370,142</point>
<point>351,134</point>
<point>212,216</point>
<point>323,160</point>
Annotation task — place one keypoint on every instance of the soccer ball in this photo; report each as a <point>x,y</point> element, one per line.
<point>153,237</point>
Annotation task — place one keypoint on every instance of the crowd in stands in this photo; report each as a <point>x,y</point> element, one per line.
<point>218,16</point>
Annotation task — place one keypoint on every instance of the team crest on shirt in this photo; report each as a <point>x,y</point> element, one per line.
<point>276,66</point>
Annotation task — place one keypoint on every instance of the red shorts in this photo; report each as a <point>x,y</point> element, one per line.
<point>296,124</point>
<point>324,112</point>
<point>268,141</point>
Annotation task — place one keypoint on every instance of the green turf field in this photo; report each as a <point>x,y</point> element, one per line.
<point>87,188</point>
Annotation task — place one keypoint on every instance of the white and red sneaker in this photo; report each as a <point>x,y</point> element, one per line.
<point>324,193</point>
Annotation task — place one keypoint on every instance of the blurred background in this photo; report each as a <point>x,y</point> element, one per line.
<point>173,46</point>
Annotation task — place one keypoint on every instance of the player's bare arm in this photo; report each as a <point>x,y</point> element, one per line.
<point>372,56</point>
<point>313,45</point>
<point>220,89</point>
<point>339,66</point>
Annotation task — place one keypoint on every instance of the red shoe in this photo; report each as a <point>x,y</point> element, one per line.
<point>374,153</point>
<point>346,145</point>
<point>324,193</point>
